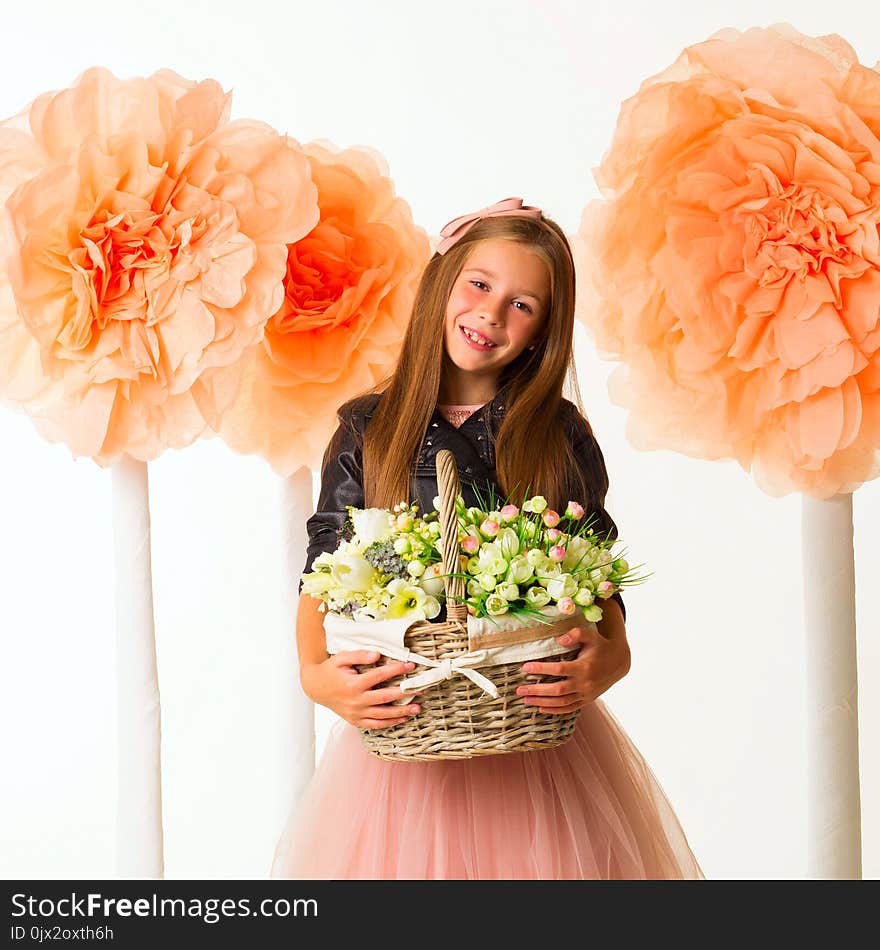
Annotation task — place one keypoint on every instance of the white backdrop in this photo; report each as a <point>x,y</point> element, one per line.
<point>470,102</point>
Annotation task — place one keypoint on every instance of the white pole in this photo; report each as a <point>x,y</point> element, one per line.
<point>139,809</point>
<point>296,725</point>
<point>832,693</point>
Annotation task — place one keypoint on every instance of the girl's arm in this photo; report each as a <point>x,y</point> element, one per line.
<point>333,681</point>
<point>311,643</point>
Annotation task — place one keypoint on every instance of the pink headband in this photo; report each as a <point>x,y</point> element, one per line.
<point>460,226</point>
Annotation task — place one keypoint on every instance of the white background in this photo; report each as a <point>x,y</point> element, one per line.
<point>470,102</point>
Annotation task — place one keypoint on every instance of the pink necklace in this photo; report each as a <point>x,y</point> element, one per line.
<point>455,415</point>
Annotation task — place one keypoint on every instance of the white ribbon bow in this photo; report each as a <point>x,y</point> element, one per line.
<point>446,669</point>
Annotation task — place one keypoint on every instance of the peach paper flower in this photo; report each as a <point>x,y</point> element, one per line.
<point>145,245</point>
<point>735,267</point>
<point>349,291</point>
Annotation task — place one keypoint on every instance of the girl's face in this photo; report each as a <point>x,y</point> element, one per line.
<point>496,307</point>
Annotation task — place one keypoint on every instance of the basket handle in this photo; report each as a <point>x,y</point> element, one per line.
<point>448,486</point>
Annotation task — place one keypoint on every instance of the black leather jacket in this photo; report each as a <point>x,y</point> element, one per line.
<point>472,444</point>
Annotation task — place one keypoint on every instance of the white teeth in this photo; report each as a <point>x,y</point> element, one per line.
<point>472,335</point>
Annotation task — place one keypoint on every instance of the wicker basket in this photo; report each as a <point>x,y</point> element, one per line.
<point>458,719</point>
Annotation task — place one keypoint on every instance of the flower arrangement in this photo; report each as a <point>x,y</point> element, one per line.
<point>386,568</point>
<point>520,560</point>
<point>529,561</point>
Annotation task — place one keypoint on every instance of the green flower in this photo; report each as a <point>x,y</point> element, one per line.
<point>496,605</point>
<point>537,597</point>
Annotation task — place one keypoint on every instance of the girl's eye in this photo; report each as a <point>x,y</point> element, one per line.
<point>519,304</point>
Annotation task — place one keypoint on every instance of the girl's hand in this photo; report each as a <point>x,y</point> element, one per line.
<point>600,663</point>
<point>334,683</point>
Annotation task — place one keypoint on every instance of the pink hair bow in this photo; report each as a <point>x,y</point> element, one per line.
<point>458,227</point>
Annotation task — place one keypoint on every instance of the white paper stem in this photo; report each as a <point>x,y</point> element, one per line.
<point>296,724</point>
<point>834,814</point>
<point>139,812</point>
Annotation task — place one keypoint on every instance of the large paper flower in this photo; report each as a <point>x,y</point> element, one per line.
<point>349,291</point>
<point>735,268</point>
<point>145,245</point>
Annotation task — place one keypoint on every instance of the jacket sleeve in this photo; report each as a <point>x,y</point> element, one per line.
<point>589,456</point>
<point>341,485</point>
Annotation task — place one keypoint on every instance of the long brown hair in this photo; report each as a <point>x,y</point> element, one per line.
<point>532,450</point>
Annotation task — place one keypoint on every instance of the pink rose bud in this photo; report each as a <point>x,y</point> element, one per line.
<point>557,553</point>
<point>509,512</point>
<point>554,534</point>
<point>490,528</point>
<point>566,605</point>
<point>605,589</point>
<point>574,510</point>
<point>470,544</point>
<point>551,518</point>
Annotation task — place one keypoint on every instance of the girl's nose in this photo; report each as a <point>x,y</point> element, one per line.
<point>492,312</point>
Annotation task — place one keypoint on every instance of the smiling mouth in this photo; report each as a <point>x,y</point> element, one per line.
<point>477,339</point>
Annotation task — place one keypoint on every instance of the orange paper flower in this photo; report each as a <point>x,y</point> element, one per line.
<point>348,294</point>
<point>735,268</point>
<point>145,246</point>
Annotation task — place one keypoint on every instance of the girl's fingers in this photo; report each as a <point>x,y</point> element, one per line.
<point>559,688</point>
<point>562,668</point>
<point>565,700</point>
<point>559,710</point>
<point>390,694</point>
<point>390,712</point>
<point>352,657</point>
<point>387,671</point>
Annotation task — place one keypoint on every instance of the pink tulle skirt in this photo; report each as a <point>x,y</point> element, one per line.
<point>590,809</point>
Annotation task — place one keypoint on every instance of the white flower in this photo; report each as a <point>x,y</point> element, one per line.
<point>317,583</point>
<point>474,589</point>
<point>563,586</point>
<point>536,558</point>
<point>508,542</point>
<point>491,560</point>
<point>415,568</point>
<point>508,591</point>
<point>407,601</point>
<point>486,581</point>
<point>575,553</point>
<point>372,524</point>
<point>431,581</point>
<point>536,504</point>
<point>584,597</point>
<point>537,597</point>
<point>547,572</point>
<point>353,573</point>
<point>401,545</point>
<point>496,605</point>
<point>519,571</point>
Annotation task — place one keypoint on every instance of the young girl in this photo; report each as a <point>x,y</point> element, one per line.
<point>482,369</point>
